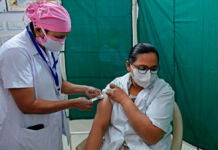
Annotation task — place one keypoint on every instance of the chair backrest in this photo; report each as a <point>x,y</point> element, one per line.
<point>177,129</point>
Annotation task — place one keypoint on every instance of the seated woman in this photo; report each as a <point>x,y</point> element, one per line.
<point>137,109</point>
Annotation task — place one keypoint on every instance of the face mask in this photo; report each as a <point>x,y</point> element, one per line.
<point>51,43</point>
<point>144,80</point>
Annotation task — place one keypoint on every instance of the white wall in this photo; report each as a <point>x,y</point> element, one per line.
<point>10,24</point>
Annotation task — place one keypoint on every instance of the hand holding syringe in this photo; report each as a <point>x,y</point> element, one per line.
<point>101,96</point>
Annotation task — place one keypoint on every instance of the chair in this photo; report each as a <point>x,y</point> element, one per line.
<point>177,129</point>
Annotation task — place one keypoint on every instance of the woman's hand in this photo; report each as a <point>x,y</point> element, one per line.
<point>117,94</point>
<point>82,103</point>
<point>92,92</point>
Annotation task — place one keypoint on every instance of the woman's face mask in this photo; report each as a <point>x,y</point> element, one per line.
<point>51,43</point>
<point>144,79</point>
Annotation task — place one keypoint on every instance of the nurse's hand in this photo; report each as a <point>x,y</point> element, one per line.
<point>82,103</point>
<point>117,94</point>
<point>92,92</point>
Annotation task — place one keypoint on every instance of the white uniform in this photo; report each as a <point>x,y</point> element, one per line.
<point>156,102</point>
<point>21,67</point>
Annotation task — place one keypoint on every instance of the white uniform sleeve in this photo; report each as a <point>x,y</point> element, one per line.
<point>160,111</point>
<point>108,86</point>
<point>16,69</point>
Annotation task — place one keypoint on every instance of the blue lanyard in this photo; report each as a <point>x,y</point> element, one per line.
<point>54,74</point>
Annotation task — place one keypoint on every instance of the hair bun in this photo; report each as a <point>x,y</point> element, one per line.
<point>32,10</point>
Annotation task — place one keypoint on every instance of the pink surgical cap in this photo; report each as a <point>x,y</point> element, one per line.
<point>50,16</point>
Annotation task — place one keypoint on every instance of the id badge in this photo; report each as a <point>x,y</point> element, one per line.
<point>58,91</point>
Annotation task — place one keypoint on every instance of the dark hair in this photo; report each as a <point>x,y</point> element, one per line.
<point>32,28</point>
<point>141,48</point>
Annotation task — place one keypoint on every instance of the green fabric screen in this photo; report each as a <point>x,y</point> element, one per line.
<point>185,34</point>
<point>98,45</point>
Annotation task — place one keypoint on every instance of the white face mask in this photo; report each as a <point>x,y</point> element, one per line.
<point>144,80</point>
<point>52,45</point>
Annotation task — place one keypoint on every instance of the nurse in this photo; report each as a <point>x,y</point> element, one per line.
<point>31,116</point>
<point>137,109</point>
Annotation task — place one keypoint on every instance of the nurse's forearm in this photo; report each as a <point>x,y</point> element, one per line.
<point>40,106</point>
<point>45,107</point>
<point>70,88</point>
<point>26,102</point>
<point>142,124</point>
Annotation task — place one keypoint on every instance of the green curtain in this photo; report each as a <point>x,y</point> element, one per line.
<point>98,45</point>
<point>184,32</point>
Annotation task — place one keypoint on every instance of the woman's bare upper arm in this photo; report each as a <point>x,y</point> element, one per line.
<point>104,110</point>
